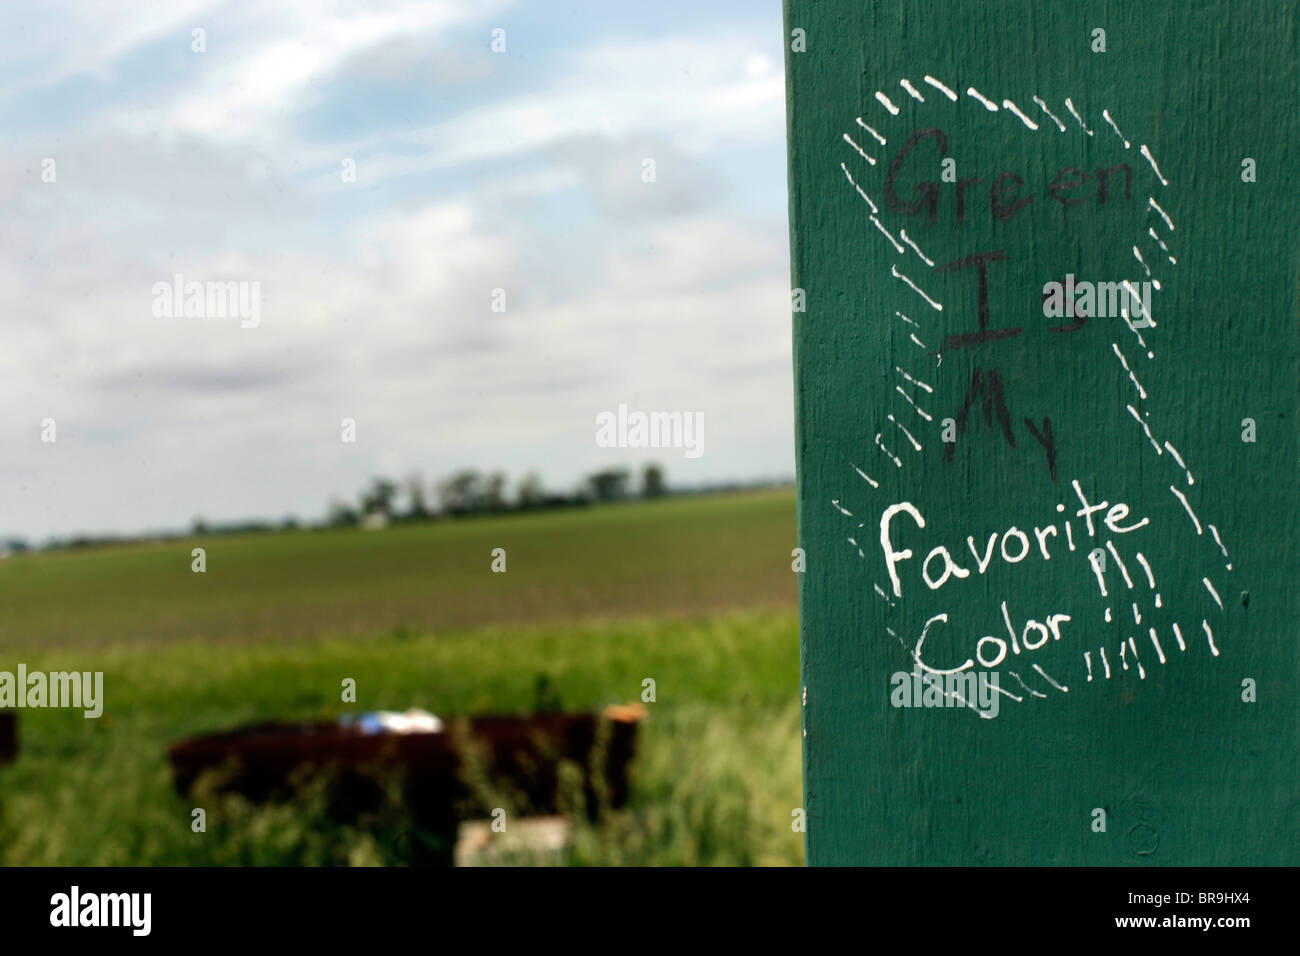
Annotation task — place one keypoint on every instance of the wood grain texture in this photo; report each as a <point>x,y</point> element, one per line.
<point>1187,772</point>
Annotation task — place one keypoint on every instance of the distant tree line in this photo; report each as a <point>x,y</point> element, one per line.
<point>466,492</point>
<point>472,492</point>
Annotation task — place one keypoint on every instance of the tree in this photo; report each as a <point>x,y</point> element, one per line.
<point>378,499</point>
<point>416,507</point>
<point>609,484</point>
<point>531,491</point>
<point>462,491</point>
<point>494,492</point>
<point>652,482</point>
<point>340,513</point>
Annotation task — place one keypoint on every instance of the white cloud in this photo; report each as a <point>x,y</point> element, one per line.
<point>273,63</point>
<point>376,304</point>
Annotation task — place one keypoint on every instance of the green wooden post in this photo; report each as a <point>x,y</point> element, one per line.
<point>1049,614</point>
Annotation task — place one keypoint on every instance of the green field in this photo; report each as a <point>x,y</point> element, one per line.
<point>696,593</point>
<point>683,556</point>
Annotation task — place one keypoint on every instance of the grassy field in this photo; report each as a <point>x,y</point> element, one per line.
<point>677,557</point>
<point>695,593</point>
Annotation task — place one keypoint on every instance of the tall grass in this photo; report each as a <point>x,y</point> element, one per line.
<point>715,778</point>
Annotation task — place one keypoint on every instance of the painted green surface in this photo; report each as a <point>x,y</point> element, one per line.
<point>1186,770</point>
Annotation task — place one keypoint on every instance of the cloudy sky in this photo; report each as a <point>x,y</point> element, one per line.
<point>475,170</point>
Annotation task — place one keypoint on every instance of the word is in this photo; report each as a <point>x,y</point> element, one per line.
<point>1100,299</point>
